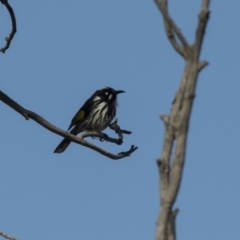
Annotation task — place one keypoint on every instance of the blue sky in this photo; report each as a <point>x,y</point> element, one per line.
<point>60,55</point>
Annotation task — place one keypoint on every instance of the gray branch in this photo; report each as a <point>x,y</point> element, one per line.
<point>77,139</point>
<point>170,165</point>
<point>173,32</point>
<point>202,22</point>
<point>14,26</point>
<point>7,236</point>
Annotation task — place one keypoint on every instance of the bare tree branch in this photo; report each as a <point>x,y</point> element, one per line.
<point>172,30</point>
<point>171,229</point>
<point>7,236</point>
<point>102,136</point>
<point>202,65</point>
<point>202,22</point>
<point>117,129</point>
<point>171,165</point>
<point>14,26</point>
<point>77,139</point>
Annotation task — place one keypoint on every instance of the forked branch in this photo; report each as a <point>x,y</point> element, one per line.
<point>170,165</point>
<point>14,26</point>
<point>77,139</point>
<point>173,32</point>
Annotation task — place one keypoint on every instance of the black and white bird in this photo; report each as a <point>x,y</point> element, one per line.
<point>95,114</point>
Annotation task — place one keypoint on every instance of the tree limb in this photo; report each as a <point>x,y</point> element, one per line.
<point>172,30</point>
<point>171,229</point>
<point>202,22</point>
<point>171,165</point>
<point>77,139</point>
<point>7,236</point>
<point>14,26</point>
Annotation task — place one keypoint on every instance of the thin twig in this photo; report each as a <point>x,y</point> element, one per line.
<point>202,65</point>
<point>129,152</point>
<point>77,139</point>
<point>117,129</point>
<point>14,26</point>
<point>7,236</point>
<point>102,136</point>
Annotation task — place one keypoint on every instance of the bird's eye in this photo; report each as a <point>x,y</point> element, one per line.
<point>106,93</point>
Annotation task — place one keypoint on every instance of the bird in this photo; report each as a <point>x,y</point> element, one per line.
<point>95,114</point>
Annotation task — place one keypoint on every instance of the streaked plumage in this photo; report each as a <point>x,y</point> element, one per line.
<point>95,114</point>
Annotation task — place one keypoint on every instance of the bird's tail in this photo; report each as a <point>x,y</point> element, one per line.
<point>62,146</point>
<point>65,142</point>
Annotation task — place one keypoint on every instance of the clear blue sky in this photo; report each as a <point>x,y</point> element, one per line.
<point>64,51</point>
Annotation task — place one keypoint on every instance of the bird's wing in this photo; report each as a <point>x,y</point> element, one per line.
<point>81,114</point>
<point>78,117</point>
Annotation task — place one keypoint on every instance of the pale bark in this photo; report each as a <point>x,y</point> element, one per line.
<point>171,164</point>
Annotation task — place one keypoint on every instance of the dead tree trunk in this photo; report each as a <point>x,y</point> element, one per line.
<point>171,164</point>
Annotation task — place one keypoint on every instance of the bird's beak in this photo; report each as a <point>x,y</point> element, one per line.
<point>120,91</point>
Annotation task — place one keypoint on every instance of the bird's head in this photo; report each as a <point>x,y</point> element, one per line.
<point>107,94</point>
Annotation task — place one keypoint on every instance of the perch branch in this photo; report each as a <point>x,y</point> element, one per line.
<point>77,139</point>
<point>102,136</point>
<point>14,26</point>
<point>114,126</point>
